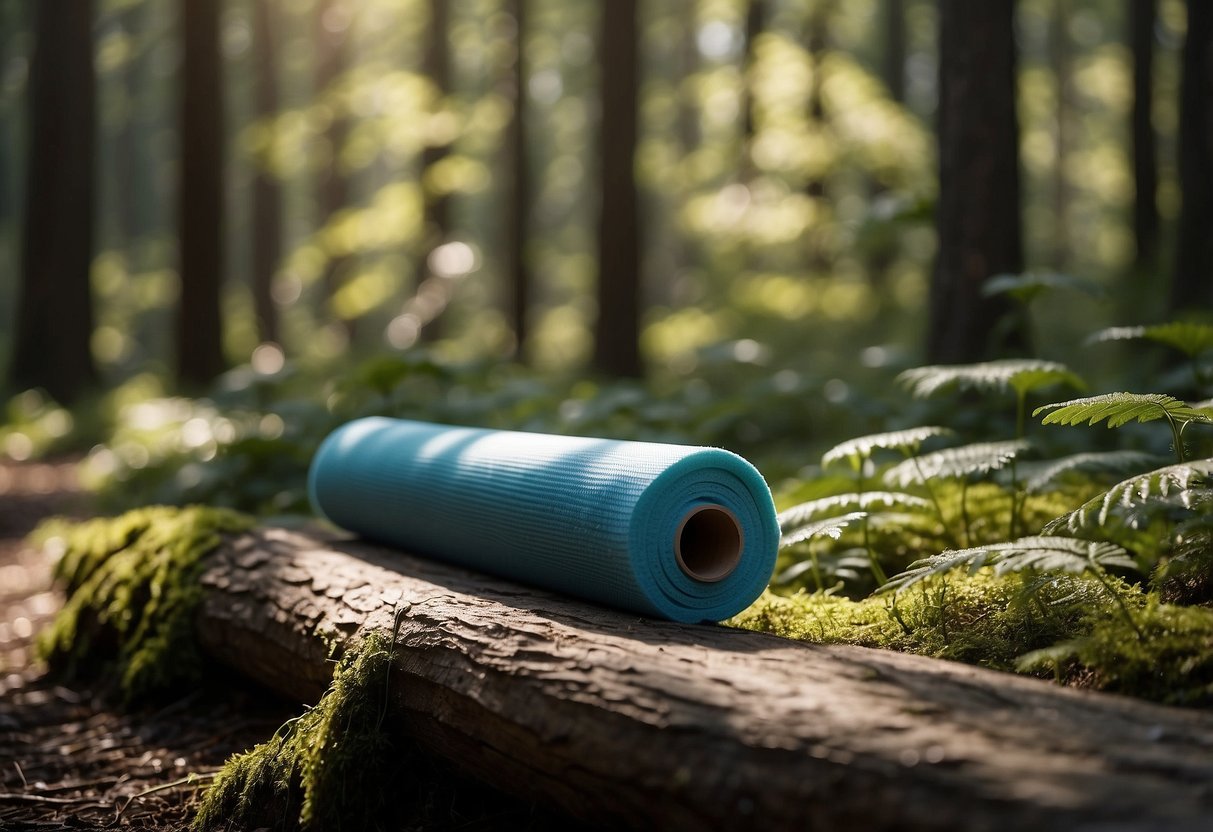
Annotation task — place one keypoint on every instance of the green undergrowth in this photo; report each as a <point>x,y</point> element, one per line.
<point>1068,627</point>
<point>132,584</point>
<point>335,767</point>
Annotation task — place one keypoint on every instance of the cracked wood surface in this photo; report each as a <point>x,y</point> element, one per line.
<point>621,720</point>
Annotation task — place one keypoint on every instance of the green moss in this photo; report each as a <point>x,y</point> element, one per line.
<point>132,586</point>
<point>1067,626</point>
<point>334,767</point>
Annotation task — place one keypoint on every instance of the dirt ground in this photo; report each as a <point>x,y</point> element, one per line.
<point>69,759</point>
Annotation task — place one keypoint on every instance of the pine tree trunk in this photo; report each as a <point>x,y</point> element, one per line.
<point>755,23</point>
<point>435,222</point>
<point>332,28</point>
<point>978,214</point>
<point>894,59</point>
<point>267,195</point>
<point>1060,58</point>
<point>1192,284</point>
<point>519,196</point>
<point>631,723</point>
<point>199,313</point>
<point>1142,14</point>
<point>54,320</point>
<point>617,333</point>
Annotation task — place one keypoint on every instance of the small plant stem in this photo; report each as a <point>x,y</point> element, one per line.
<point>821,587</point>
<point>1120,602</point>
<point>964,510</point>
<point>1177,433</point>
<point>1021,398</point>
<point>873,563</point>
<point>934,500</point>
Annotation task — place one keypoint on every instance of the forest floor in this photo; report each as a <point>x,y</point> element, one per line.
<point>71,759</point>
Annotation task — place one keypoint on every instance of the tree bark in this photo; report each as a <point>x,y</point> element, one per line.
<point>894,60</point>
<point>435,220</point>
<point>200,208</point>
<point>1142,14</point>
<point>617,333</point>
<point>54,310</point>
<point>755,24</point>
<point>978,214</point>
<point>1062,64</point>
<point>267,195</point>
<point>332,27</point>
<point>1192,284</point>
<point>626,722</point>
<point>519,209</point>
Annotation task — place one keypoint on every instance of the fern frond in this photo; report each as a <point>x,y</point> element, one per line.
<point>1119,409</point>
<point>1188,337</point>
<point>1021,375</point>
<point>1025,287</point>
<point>1096,462</point>
<point>1028,554</point>
<point>978,458</point>
<point>1186,485</point>
<point>829,527</point>
<point>866,501</point>
<point>908,441</point>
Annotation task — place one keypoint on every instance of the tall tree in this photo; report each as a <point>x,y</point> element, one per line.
<point>755,23</point>
<point>978,214</point>
<point>1062,63</point>
<point>200,196</point>
<point>893,65</point>
<point>436,211</point>
<point>267,195</point>
<point>520,191</point>
<point>54,323</point>
<point>333,21</point>
<point>1142,15</point>
<point>617,334</point>
<point>1192,284</point>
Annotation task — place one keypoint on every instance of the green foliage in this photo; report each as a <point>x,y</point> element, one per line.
<point>861,447</point>
<point>1189,337</point>
<point>978,458</point>
<point>1119,409</point>
<point>334,767</point>
<point>1013,374</point>
<point>1027,287</point>
<point>1088,464</point>
<point>792,518</point>
<point>829,527</point>
<point>132,583</point>
<point>1184,487</point>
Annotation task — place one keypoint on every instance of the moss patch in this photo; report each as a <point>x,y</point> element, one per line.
<point>334,767</point>
<point>132,586</point>
<point>1070,627</point>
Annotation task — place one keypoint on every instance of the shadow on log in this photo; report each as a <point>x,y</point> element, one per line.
<point>622,721</point>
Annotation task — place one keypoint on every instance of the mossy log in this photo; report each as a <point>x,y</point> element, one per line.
<point>623,721</point>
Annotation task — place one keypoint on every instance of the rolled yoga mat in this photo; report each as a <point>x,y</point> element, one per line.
<point>679,532</point>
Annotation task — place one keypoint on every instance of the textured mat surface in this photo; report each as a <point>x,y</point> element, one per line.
<point>678,532</point>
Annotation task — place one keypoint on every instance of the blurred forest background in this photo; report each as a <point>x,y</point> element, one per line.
<point>758,209</point>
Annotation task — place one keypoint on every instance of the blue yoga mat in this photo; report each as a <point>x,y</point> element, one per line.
<point>678,532</point>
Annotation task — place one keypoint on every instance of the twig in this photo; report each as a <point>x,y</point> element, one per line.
<point>188,780</point>
<point>21,774</point>
<point>58,801</point>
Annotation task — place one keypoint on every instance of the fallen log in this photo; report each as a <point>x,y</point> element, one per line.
<point>621,721</point>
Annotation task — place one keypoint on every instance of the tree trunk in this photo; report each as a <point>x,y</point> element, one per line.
<point>267,195</point>
<point>617,333</point>
<point>333,21</point>
<point>519,208</point>
<point>630,723</point>
<point>1191,284</point>
<point>199,313</point>
<point>894,59</point>
<point>755,24</point>
<point>435,221</point>
<point>1060,58</point>
<point>1142,14</point>
<point>54,320</point>
<point>978,215</point>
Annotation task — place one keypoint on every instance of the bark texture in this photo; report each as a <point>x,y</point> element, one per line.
<point>617,333</point>
<point>518,210</point>
<point>978,215</point>
<point>1192,284</point>
<point>200,197</point>
<point>267,195</point>
<point>54,309</point>
<point>623,721</point>
<point>1142,15</point>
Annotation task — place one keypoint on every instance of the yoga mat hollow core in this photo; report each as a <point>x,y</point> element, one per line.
<point>679,532</point>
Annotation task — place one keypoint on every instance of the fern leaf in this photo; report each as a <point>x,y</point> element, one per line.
<point>861,447</point>
<point>868,500</point>
<point>1188,337</point>
<point>1028,554</point>
<point>1021,375</point>
<point>1097,462</point>
<point>829,527</point>
<point>978,458</point>
<point>1119,409</point>
<point>1186,485</point>
<point>1025,287</point>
